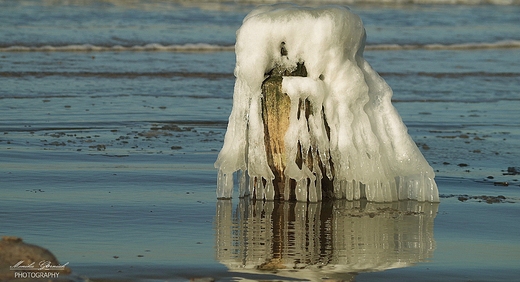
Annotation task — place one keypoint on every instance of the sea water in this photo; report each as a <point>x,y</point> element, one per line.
<point>112,114</point>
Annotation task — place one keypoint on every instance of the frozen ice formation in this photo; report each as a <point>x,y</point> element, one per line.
<point>342,127</point>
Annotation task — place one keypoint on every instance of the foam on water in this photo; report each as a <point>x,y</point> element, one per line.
<point>502,44</point>
<point>206,47</point>
<point>196,47</point>
<point>352,128</point>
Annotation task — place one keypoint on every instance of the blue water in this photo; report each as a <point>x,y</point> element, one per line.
<point>113,112</point>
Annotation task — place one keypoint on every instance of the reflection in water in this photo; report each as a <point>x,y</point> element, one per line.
<point>333,239</point>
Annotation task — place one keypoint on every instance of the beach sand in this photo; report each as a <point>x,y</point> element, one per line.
<point>154,217</point>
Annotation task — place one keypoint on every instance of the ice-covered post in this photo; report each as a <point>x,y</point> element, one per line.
<point>311,118</point>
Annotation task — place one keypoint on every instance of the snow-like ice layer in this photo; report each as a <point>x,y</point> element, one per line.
<point>369,153</point>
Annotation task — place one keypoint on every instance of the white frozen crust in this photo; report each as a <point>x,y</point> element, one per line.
<point>369,147</point>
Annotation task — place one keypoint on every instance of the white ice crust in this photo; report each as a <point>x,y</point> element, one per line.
<point>371,153</point>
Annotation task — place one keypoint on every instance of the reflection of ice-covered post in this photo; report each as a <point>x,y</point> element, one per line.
<point>224,229</point>
<point>325,239</point>
<point>311,118</point>
<point>385,236</point>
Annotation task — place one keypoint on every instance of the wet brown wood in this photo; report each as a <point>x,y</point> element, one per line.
<point>276,110</point>
<point>275,113</point>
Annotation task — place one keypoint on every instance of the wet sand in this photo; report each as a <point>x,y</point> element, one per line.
<point>146,211</point>
<point>135,201</point>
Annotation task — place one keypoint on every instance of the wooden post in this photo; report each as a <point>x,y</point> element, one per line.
<point>276,108</point>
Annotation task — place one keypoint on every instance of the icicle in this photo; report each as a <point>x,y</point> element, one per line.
<point>413,184</point>
<point>252,191</point>
<point>357,189</point>
<point>225,185</point>
<point>301,190</point>
<point>349,190</point>
<point>401,189</point>
<point>420,188</point>
<point>431,195</point>
<point>389,190</point>
<point>269,191</point>
<point>362,191</point>
<point>313,194</point>
<point>287,188</point>
<point>319,190</point>
<point>338,193</point>
<point>343,185</point>
<point>370,192</point>
<point>259,188</point>
<point>242,184</point>
<point>317,172</point>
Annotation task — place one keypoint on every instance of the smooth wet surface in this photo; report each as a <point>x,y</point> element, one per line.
<point>106,158</point>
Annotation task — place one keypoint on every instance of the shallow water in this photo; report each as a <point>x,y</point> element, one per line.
<point>106,157</point>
